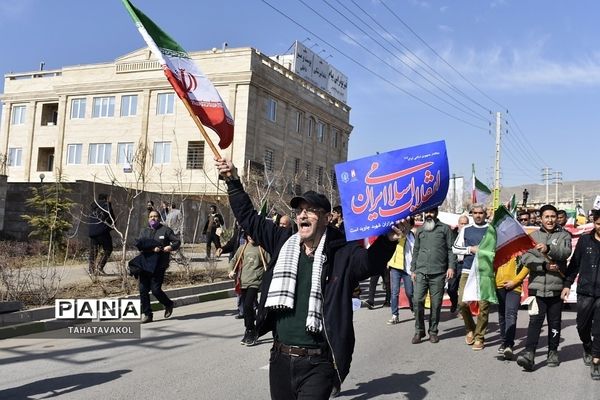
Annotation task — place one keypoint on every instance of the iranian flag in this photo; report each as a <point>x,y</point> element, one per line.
<point>189,82</point>
<point>480,192</point>
<point>505,238</point>
<point>511,205</point>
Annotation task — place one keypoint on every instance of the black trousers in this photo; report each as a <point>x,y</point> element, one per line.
<point>550,307</point>
<point>588,322</point>
<point>249,296</point>
<point>385,275</point>
<point>302,378</point>
<point>212,237</point>
<point>453,287</point>
<point>153,283</point>
<point>104,241</point>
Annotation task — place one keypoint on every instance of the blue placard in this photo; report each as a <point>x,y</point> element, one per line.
<point>376,191</point>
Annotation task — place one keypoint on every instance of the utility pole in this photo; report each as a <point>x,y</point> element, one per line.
<point>557,181</point>
<point>546,172</point>
<point>496,201</point>
<point>454,193</point>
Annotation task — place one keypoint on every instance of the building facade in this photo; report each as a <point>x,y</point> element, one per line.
<point>121,123</point>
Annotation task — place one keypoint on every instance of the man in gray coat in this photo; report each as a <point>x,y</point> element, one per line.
<point>433,262</point>
<point>547,264</point>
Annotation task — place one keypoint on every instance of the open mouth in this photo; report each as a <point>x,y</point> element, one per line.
<point>304,226</point>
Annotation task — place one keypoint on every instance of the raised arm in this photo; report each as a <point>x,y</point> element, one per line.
<point>265,232</point>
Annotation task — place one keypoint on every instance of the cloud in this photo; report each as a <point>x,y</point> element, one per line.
<point>443,9</point>
<point>515,68</point>
<point>445,28</point>
<point>420,3</point>
<point>14,10</point>
<point>498,3</point>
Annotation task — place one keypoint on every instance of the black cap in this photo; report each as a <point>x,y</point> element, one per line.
<point>314,199</point>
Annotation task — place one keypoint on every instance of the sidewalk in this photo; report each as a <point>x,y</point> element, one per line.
<point>42,319</point>
<point>78,273</point>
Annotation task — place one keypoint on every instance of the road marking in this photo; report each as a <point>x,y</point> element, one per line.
<point>265,367</point>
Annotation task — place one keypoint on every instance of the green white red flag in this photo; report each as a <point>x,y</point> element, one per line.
<point>505,238</point>
<point>186,78</point>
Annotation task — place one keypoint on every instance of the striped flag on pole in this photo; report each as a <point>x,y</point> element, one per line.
<point>504,239</point>
<point>480,191</point>
<point>190,84</point>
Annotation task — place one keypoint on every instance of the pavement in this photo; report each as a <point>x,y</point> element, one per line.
<point>42,319</point>
<point>196,354</point>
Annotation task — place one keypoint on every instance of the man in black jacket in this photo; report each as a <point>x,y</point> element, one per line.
<point>212,228</point>
<point>100,223</point>
<point>306,293</point>
<point>585,262</point>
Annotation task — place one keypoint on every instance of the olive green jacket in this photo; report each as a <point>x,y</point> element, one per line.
<point>432,253</point>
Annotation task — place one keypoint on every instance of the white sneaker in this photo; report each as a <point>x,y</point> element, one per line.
<point>395,320</point>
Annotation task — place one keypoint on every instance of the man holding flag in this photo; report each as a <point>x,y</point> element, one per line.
<point>467,245</point>
<point>547,263</point>
<point>307,290</point>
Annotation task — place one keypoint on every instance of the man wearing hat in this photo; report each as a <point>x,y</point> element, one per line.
<point>306,292</point>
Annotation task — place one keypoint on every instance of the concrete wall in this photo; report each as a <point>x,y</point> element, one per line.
<point>194,208</point>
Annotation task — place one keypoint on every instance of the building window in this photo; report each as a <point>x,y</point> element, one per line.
<point>129,106</point>
<point>320,176</point>
<point>311,126</point>
<point>297,167</point>
<point>49,114</point>
<point>272,110</point>
<point>195,155</point>
<point>162,153</point>
<point>269,159</point>
<point>125,153</point>
<point>45,159</point>
<point>103,107</point>
<point>307,168</point>
<point>334,138</point>
<point>15,155</point>
<point>77,108</point>
<point>333,178</point>
<point>298,121</point>
<point>165,103</point>
<point>74,154</point>
<point>320,132</point>
<point>18,115</point>
<point>99,153</point>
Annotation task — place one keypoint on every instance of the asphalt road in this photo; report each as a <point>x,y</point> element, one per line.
<point>196,355</point>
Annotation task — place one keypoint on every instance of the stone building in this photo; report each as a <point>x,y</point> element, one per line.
<point>95,122</point>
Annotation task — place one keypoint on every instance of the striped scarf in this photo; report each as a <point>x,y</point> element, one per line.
<point>283,284</point>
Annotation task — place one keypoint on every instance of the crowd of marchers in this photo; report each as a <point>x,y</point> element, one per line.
<point>298,278</point>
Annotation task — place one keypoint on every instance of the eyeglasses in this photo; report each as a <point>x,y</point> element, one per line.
<point>311,212</point>
<point>524,219</point>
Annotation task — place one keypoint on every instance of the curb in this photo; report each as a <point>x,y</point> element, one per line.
<point>42,319</point>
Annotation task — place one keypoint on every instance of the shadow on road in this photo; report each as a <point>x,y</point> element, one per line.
<point>410,385</point>
<point>53,387</point>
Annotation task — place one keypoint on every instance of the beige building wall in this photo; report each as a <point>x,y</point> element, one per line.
<point>249,83</point>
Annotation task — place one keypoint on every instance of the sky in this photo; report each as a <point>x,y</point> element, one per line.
<point>418,71</point>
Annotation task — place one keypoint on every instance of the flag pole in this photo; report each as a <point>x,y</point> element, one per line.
<point>201,127</point>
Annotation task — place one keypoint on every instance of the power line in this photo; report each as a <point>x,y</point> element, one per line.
<point>438,55</point>
<point>525,138</point>
<point>370,70</point>
<point>435,73</point>
<point>365,48</point>
<point>474,113</point>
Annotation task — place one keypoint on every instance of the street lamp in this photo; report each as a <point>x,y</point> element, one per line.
<point>42,176</point>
